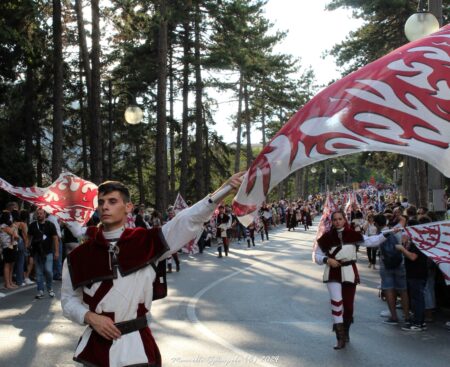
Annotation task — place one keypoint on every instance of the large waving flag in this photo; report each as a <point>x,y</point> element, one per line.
<point>399,103</point>
<point>70,198</point>
<point>433,239</point>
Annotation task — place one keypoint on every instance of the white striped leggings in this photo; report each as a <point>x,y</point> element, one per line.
<point>342,297</point>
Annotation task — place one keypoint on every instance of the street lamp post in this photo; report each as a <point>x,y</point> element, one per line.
<point>334,170</point>
<point>426,21</point>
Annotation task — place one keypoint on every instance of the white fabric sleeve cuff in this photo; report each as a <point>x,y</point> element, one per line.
<point>318,255</point>
<point>373,241</point>
<point>71,300</point>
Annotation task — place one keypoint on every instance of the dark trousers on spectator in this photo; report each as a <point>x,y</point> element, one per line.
<point>372,255</point>
<point>417,294</point>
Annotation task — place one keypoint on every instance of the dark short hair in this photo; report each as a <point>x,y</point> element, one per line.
<point>411,211</point>
<point>424,219</point>
<point>380,220</point>
<point>11,205</point>
<point>108,187</point>
<point>5,218</point>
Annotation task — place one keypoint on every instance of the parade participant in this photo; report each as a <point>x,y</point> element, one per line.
<point>337,250</point>
<point>170,215</point>
<point>108,280</point>
<point>306,216</point>
<point>222,224</point>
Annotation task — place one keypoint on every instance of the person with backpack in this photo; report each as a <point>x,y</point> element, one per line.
<point>110,280</point>
<point>337,251</point>
<point>44,243</point>
<point>392,270</point>
<point>416,275</point>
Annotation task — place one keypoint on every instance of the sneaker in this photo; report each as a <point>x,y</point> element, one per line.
<point>447,325</point>
<point>424,326</point>
<point>412,327</point>
<point>390,321</point>
<point>385,313</point>
<point>51,293</point>
<point>28,281</point>
<point>40,295</point>
<point>22,285</point>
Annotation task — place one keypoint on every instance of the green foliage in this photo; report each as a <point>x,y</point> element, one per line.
<point>237,43</point>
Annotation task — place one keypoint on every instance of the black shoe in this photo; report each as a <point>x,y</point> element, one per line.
<point>390,321</point>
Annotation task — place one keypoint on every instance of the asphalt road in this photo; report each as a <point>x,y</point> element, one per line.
<point>264,306</point>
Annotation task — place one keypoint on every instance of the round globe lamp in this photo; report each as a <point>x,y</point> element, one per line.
<point>134,115</point>
<point>420,24</point>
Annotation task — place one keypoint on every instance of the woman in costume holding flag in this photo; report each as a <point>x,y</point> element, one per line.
<point>337,250</point>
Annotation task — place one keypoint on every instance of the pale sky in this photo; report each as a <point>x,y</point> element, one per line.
<point>311,31</point>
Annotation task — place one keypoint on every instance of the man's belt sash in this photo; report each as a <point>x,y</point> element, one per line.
<point>347,263</point>
<point>126,327</point>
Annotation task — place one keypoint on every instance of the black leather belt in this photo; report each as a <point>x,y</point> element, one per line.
<point>348,263</point>
<point>127,327</point>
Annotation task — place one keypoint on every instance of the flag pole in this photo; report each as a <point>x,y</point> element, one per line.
<point>218,195</point>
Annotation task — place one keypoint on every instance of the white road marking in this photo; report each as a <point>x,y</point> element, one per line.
<point>192,316</point>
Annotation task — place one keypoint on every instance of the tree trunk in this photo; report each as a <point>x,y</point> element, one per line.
<point>140,175</point>
<point>110,131</point>
<point>199,180</point>
<point>39,164</point>
<point>299,182</point>
<point>206,161</point>
<point>161,118</point>
<point>248,127</point>
<point>237,157</point>
<point>422,183</point>
<point>83,44</point>
<point>185,118</point>
<point>84,157</point>
<point>171,128</point>
<point>409,180</point>
<point>29,103</point>
<point>95,126</point>
<point>57,150</point>
<point>263,124</point>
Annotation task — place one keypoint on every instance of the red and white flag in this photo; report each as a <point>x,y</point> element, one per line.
<point>70,198</point>
<point>433,239</point>
<point>352,201</point>
<point>179,204</point>
<point>399,103</point>
<point>191,247</point>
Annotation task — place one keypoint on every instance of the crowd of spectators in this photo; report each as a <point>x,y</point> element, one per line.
<point>34,244</point>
